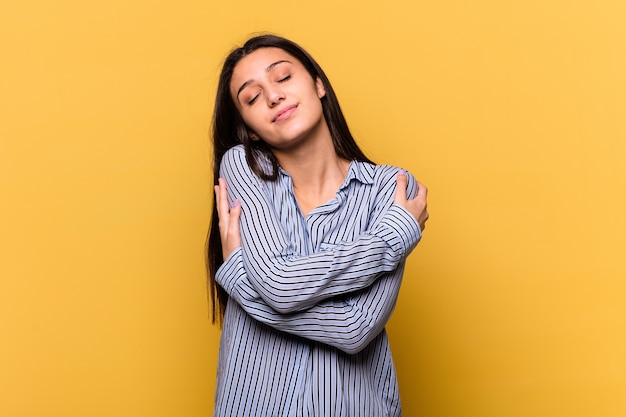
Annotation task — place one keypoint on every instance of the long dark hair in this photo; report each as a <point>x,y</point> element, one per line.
<point>230,130</point>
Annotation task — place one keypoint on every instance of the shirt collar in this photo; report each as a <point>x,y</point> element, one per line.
<point>358,171</point>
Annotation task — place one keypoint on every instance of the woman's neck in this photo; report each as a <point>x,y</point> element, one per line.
<point>316,171</point>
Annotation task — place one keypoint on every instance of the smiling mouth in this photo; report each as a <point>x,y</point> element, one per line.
<point>284,113</point>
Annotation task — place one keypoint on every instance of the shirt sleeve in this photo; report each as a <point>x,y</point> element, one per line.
<point>347,323</point>
<point>288,283</point>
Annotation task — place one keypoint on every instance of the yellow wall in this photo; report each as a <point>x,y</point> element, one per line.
<point>513,113</point>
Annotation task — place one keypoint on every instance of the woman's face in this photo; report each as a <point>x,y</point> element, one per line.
<point>277,97</point>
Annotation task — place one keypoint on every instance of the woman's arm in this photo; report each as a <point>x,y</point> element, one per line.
<point>290,283</point>
<point>348,323</point>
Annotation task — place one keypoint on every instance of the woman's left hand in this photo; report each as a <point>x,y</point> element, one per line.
<point>228,219</point>
<point>417,206</point>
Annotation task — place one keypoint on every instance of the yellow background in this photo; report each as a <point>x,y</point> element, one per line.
<point>512,112</point>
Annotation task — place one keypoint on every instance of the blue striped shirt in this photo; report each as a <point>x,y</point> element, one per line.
<point>303,332</point>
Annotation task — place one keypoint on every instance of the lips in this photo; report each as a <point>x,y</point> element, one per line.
<point>284,113</point>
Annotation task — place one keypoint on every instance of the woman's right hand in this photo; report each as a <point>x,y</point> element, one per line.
<point>417,207</point>
<point>228,219</point>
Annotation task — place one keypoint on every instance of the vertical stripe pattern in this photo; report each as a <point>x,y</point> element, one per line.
<point>303,331</point>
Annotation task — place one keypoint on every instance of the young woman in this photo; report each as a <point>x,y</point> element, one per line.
<point>307,245</point>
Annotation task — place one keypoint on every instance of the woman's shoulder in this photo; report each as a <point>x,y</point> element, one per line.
<point>379,175</point>
<point>236,151</point>
<point>234,161</point>
<point>235,156</point>
<point>385,176</point>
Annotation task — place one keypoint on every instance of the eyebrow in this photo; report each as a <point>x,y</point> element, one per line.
<point>268,69</point>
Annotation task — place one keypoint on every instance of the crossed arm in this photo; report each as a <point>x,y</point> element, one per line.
<point>341,297</point>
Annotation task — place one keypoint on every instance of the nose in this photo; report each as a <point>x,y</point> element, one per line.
<point>274,96</point>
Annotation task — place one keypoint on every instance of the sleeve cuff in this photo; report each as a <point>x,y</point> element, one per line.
<point>231,271</point>
<point>401,230</point>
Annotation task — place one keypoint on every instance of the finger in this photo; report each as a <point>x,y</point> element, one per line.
<point>221,197</point>
<point>422,192</point>
<point>223,190</point>
<point>218,201</point>
<point>400,195</point>
<point>421,188</point>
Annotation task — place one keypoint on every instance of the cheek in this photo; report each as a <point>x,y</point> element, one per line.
<point>252,119</point>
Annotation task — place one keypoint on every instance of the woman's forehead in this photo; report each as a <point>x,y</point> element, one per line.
<point>258,63</point>
<point>262,60</point>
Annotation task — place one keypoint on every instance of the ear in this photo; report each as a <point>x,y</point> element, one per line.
<point>319,85</point>
<point>253,136</point>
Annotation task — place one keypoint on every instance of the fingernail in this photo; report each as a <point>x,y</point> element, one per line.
<point>236,203</point>
<point>402,172</point>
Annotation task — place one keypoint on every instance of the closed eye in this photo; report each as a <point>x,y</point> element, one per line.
<point>284,79</point>
<point>253,99</point>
